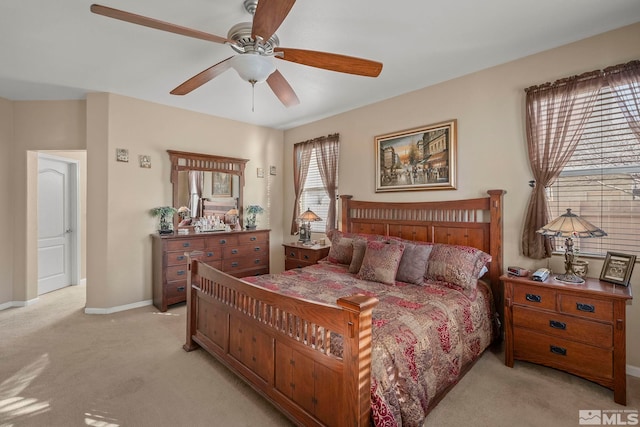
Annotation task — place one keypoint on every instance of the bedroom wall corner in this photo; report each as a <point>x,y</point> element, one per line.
<point>6,215</point>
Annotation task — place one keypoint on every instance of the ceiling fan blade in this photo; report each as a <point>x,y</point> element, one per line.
<point>154,23</point>
<point>282,89</point>
<point>331,61</point>
<point>269,16</point>
<point>202,78</point>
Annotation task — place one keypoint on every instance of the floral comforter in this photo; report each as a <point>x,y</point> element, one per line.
<point>422,335</point>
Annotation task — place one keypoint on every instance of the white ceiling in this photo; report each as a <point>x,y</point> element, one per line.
<point>57,49</point>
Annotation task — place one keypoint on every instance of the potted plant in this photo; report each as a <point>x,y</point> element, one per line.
<point>252,211</point>
<point>165,226</point>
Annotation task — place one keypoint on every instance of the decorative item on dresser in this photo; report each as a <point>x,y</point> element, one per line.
<point>252,211</point>
<point>298,255</point>
<point>165,215</point>
<point>242,253</point>
<point>578,328</point>
<point>321,342</point>
<point>305,225</point>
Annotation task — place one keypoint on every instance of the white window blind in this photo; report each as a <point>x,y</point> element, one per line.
<point>314,195</point>
<point>601,181</point>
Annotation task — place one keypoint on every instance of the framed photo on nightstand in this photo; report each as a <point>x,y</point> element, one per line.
<point>617,268</point>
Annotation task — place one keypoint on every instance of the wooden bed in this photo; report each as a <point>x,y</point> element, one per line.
<point>272,341</point>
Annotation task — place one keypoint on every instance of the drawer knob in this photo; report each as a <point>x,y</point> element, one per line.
<point>256,261</point>
<point>560,351</point>
<point>253,238</point>
<point>306,257</point>
<point>234,251</point>
<point>234,264</point>
<point>292,254</point>
<point>557,325</point>
<point>209,253</point>
<point>589,308</point>
<point>223,241</point>
<point>181,272</point>
<point>180,288</point>
<point>181,258</point>
<point>186,244</point>
<point>257,249</point>
<point>533,298</point>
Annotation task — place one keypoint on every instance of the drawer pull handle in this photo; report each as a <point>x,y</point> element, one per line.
<point>253,238</point>
<point>306,257</point>
<point>186,244</point>
<point>557,325</point>
<point>181,273</point>
<point>560,351</point>
<point>256,261</point>
<point>234,264</point>
<point>181,258</point>
<point>223,241</point>
<point>292,254</point>
<point>257,249</point>
<point>589,308</point>
<point>534,298</point>
<point>180,288</point>
<point>234,251</point>
<point>209,253</point>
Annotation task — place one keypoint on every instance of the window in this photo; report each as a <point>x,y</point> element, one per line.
<point>314,194</point>
<point>601,181</point>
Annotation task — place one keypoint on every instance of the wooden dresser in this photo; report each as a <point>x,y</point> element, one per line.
<point>298,255</point>
<point>238,253</point>
<point>576,328</point>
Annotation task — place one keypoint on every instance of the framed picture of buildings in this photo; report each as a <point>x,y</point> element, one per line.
<point>221,184</point>
<point>417,159</point>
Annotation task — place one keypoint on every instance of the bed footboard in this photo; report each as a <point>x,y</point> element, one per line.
<point>282,346</point>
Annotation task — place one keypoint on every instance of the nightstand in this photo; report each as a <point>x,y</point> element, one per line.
<point>579,329</point>
<point>298,255</point>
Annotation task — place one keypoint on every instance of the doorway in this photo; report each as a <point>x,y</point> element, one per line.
<point>58,223</point>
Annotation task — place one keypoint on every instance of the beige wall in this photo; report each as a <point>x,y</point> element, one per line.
<point>489,107</point>
<point>121,194</point>
<point>7,214</point>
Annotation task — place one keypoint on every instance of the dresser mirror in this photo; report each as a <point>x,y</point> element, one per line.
<point>209,186</point>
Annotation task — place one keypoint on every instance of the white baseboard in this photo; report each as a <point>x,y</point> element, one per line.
<point>634,371</point>
<point>10,304</point>
<point>89,310</point>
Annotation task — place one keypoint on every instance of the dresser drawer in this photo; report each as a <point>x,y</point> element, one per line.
<point>185,245</point>
<point>214,241</point>
<point>176,258</point>
<point>236,264</point>
<point>574,357</point>
<point>568,327</point>
<point>591,308</point>
<point>535,296</point>
<point>177,272</point>
<point>290,264</point>
<point>175,292</point>
<point>252,238</point>
<point>250,251</point>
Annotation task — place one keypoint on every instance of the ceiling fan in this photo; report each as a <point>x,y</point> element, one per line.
<point>255,43</point>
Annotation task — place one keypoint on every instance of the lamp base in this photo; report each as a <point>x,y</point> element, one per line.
<point>570,278</point>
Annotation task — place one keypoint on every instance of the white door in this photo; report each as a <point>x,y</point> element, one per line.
<point>54,225</point>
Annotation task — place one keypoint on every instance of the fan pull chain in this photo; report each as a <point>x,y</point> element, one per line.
<point>253,95</point>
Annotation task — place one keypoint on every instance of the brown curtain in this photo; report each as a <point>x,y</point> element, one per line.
<point>624,81</point>
<point>301,159</point>
<point>556,114</point>
<point>328,152</point>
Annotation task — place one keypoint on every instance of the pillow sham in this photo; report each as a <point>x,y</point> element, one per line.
<point>381,261</point>
<point>341,250</point>
<point>413,263</point>
<point>457,265</point>
<point>359,249</point>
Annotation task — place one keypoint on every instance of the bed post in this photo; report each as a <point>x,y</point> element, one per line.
<point>346,225</point>
<point>496,250</point>
<point>357,358</point>
<point>192,268</point>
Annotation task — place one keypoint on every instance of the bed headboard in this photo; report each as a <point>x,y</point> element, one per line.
<point>470,222</point>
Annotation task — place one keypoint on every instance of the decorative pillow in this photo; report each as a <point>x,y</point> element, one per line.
<point>359,249</point>
<point>341,250</point>
<point>457,265</point>
<point>413,263</point>
<point>381,261</point>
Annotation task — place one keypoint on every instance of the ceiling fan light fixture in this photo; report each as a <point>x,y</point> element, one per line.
<point>253,67</point>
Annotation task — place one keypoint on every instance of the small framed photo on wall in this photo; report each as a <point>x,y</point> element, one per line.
<point>617,268</point>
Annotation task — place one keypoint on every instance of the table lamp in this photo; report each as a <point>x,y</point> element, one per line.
<point>305,225</point>
<point>570,225</point>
